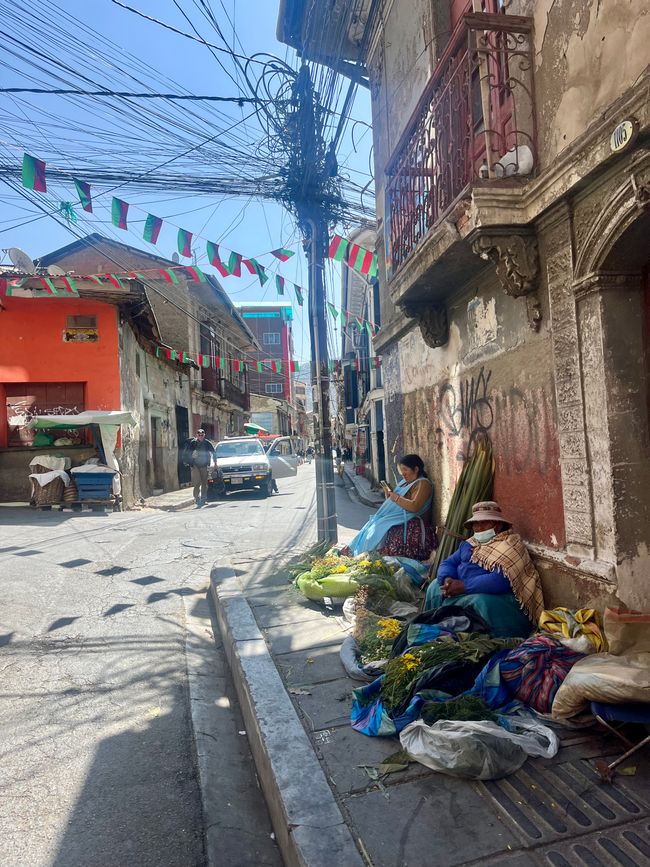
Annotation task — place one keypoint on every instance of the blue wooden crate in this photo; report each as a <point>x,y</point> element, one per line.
<point>94,486</point>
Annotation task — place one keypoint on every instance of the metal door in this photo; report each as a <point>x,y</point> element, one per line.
<point>183,434</point>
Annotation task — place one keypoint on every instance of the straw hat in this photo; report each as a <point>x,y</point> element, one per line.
<point>488,511</point>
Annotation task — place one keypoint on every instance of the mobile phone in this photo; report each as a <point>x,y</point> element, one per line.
<point>386,486</point>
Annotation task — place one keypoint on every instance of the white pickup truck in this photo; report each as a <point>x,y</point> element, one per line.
<point>241,463</point>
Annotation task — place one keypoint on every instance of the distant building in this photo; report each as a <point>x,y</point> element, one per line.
<point>272,395</point>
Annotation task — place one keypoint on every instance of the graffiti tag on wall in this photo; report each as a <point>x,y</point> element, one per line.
<point>466,408</point>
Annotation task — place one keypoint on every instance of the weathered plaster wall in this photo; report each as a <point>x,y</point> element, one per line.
<point>494,377</point>
<point>588,53</point>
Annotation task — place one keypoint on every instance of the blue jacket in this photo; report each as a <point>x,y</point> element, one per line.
<point>475,577</point>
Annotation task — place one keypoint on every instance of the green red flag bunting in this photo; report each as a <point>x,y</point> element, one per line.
<point>195,273</point>
<point>233,268</point>
<point>47,283</point>
<point>279,284</point>
<point>294,367</point>
<point>203,360</point>
<point>259,366</point>
<point>332,309</point>
<point>83,191</point>
<point>33,174</point>
<point>93,278</point>
<point>299,295</point>
<point>70,285</point>
<point>137,275</point>
<point>114,280</point>
<point>254,267</point>
<point>185,243</point>
<point>282,254</point>
<point>152,227</point>
<point>338,248</point>
<point>119,212</point>
<point>169,275</point>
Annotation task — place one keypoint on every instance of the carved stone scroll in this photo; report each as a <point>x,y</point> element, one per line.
<point>432,319</point>
<point>516,260</point>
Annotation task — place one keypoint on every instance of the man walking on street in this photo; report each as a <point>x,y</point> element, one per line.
<point>197,454</point>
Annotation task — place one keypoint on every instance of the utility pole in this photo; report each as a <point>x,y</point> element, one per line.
<point>325,493</point>
<point>308,177</point>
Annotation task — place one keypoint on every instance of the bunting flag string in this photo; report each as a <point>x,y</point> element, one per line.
<point>283,254</point>
<point>119,212</point>
<point>356,257</point>
<point>254,267</point>
<point>33,174</point>
<point>185,243</point>
<point>279,284</point>
<point>152,227</point>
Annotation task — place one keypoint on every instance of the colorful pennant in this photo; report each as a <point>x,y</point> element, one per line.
<point>152,227</point>
<point>33,174</point>
<point>279,284</point>
<point>83,191</point>
<point>283,254</point>
<point>254,267</point>
<point>299,295</point>
<point>185,243</point>
<point>119,211</point>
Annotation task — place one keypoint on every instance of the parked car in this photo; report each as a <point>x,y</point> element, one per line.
<point>242,464</point>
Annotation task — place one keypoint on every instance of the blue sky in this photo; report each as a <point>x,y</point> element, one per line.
<point>114,45</point>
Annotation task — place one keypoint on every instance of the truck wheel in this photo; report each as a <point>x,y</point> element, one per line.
<point>267,488</point>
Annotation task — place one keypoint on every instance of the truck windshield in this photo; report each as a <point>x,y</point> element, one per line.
<point>239,449</point>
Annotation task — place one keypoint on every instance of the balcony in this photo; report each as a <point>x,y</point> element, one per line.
<point>474,126</point>
<point>235,395</point>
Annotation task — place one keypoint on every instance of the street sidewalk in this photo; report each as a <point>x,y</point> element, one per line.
<point>172,501</point>
<point>362,487</point>
<point>319,776</point>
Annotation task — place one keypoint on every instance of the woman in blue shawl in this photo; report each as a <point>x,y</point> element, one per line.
<point>401,527</point>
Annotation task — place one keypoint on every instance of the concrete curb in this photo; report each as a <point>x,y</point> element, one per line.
<point>361,494</point>
<point>169,507</point>
<point>308,823</point>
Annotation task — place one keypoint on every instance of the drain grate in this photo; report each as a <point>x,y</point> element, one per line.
<point>546,802</point>
<point>627,847</point>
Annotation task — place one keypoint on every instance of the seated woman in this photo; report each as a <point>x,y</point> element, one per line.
<point>401,527</point>
<point>492,574</point>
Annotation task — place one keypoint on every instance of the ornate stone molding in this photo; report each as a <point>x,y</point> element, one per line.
<point>432,319</point>
<point>604,281</point>
<point>516,260</point>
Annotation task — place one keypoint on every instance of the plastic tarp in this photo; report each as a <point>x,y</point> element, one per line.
<point>81,419</point>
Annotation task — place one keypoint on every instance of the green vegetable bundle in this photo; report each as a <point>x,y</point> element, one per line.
<point>337,585</point>
<point>466,707</point>
<point>473,486</point>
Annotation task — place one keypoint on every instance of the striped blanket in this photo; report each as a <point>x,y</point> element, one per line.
<point>534,672</point>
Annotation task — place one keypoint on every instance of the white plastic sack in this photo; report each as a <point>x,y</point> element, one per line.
<point>479,750</point>
<point>603,677</point>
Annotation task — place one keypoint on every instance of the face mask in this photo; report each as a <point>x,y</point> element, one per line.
<point>485,536</point>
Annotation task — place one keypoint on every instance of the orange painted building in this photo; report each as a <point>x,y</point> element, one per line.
<point>56,353</point>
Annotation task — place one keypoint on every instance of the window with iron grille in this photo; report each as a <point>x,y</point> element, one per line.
<point>273,388</point>
<point>270,338</point>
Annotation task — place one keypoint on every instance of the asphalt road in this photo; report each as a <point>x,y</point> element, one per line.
<point>114,692</point>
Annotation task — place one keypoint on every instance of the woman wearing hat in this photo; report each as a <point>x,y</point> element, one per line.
<point>492,573</point>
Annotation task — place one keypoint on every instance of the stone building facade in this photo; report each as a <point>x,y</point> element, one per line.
<point>513,201</point>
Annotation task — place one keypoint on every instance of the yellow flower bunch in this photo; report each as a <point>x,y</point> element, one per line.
<point>388,629</point>
<point>365,563</point>
<point>411,661</point>
<point>340,570</point>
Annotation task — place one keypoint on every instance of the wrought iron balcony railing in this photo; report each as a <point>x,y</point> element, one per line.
<point>475,121</point>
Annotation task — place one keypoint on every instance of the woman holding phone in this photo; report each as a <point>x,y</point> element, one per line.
<point>401,527</point>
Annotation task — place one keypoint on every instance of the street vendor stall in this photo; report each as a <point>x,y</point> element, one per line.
<point>96,482</point>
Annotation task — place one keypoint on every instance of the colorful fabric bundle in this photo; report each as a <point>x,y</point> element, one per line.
<point>563,623</point>
<point>534,672</point>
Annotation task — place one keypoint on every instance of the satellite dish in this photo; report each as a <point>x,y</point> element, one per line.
<point>21,260</point>
<point>55,271</point>
<point>175,258</point>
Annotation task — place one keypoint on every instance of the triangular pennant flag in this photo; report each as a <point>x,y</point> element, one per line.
<point>47,283</point>
<point>119,211</point>
<point>195,273</point>
<point>70,285</point>
<point>299,295</point>
<point>185,243</point>
<point>282,254</point>
<point>83,191</point>
<point>254,267</point>
<point>33,174</point>
<point>114,280</point>
<point>152,227</point>
<point>169,275</point>
<point>338,248</point>
<point>332,309</point>
<point>279,284</point>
